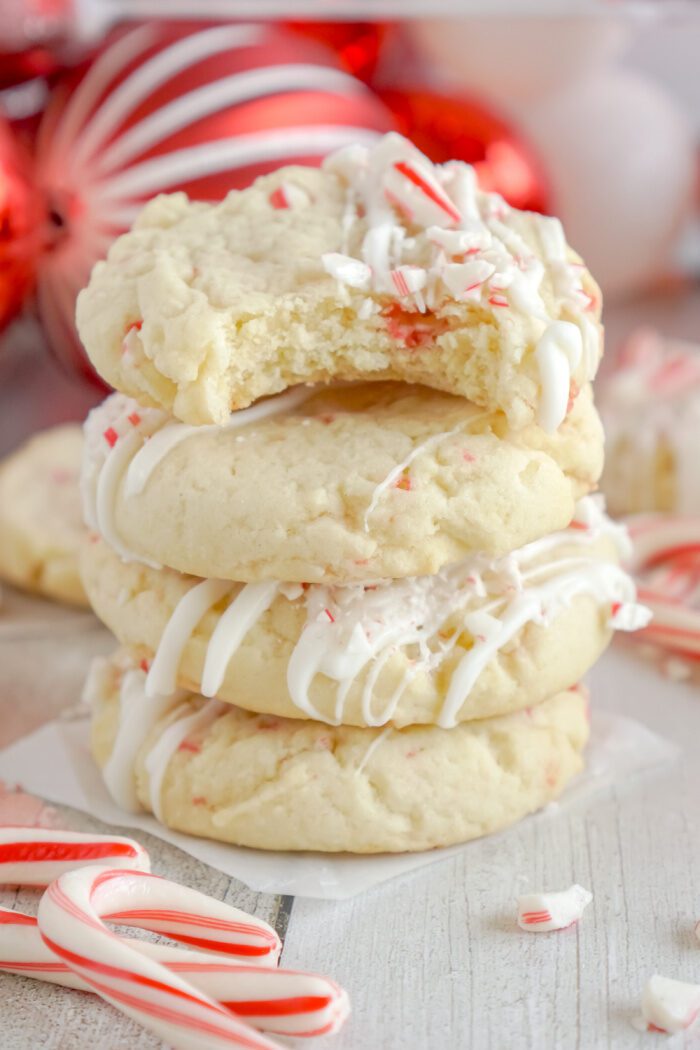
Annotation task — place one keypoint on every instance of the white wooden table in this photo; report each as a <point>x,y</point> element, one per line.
<point>434,961</point>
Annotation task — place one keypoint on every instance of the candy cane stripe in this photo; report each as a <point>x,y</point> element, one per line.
<point>431,192</point>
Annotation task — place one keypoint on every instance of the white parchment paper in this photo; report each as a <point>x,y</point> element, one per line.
<point>55,763</point>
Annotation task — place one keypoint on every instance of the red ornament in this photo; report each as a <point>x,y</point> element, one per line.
<point>34,38</point>
<point>446,127</point>
<point>358,45</point>
<point>165,107</point>
<point>21,222</point>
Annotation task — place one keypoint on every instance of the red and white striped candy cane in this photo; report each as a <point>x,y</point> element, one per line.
<point>37,856</point>
<point>70,921</point>
<point>666,563</point>
<point>285,1002</point>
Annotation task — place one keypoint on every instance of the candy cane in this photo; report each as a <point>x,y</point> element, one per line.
<point>673,540</point>
<point>657,537</point>
<point>70,921</point>
<point>37,856</point>
<point>285,1002</point>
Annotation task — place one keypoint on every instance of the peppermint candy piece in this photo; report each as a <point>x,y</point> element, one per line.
<point>542,912</point>
<point>668,1005</point>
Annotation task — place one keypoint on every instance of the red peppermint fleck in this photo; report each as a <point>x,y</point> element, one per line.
<point>135,326</point>
<point>187,745</point>
<point>134,419</point>
<point>403,483</point>
<point>534,918</point>
<point>265,723</point>
<point>574,391</point>
<point>330,615</point>
<point>145,665</point>
<point>552,777</point>
<point>278,198</point>
<point>412,328</point>
<point>435,195</point>
<point>399,280</point>
<point>469,457</point>
<point>615,608</point>
<point>651,1027</point>
<point>111,437</point>
<point>498,300</point>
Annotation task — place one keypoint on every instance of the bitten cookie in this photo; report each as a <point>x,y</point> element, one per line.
<point>209,769</point>
<point>380,265</point>
<point>41,526</point>
<point>482,637</point>
<point>347,483</point>
<point>651,408</point>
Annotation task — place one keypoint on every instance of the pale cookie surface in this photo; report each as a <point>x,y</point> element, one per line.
<point>651,409</point>
<point>281,784</point>
<point>380,265</point>
<point>483,637</point>
<point>41,526</point>
<point>346,483</point>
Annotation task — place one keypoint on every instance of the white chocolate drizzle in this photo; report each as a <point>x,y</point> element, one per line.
<point>244,611</point>
<point>171,738</point>
<point>162,676</point>
<point>138,714</point>
<point>124,442</point>
<point>428,235</point>
<point>377,742</point>
<point>355,629</point>
<point>395,474</point>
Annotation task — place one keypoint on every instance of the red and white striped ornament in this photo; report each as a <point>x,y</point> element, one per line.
<point>170,106</point>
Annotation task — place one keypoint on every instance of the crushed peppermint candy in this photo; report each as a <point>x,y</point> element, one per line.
<point>428,235</point>
<point>669,1006</point>
<point>629,616</point>
<point>542,912</point>
<point>288,195</point>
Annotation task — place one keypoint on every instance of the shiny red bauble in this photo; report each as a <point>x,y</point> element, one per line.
<point>450,127</point>
<point>171,106</point>
<point>21,225</point>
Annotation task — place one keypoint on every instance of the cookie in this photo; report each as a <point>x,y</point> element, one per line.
<point>651,408</point>
<point>41,527</point>
<point>482,637</point>
<point>380,265</point>
<point>213,770</point>
<point>346,483</point>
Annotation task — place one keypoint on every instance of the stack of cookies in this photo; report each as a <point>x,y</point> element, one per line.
<point>340,511</point>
